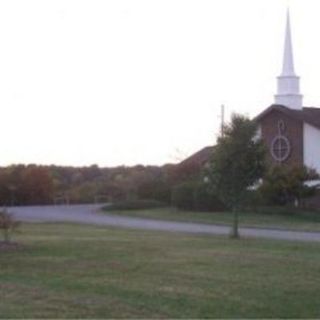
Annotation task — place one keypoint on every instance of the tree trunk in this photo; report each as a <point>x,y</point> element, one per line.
<point>235,225</point>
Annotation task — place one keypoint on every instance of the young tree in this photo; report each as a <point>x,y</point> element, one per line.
<point>236,164</point>
<point>7,224</point>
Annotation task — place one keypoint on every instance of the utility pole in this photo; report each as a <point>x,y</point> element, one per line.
<point>222,119</point>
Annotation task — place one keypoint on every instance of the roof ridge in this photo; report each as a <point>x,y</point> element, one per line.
<point>310,115</point>
<point>316,108</point>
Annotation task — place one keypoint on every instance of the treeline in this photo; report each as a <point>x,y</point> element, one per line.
<point>35,184</point>
<point>183,186</point>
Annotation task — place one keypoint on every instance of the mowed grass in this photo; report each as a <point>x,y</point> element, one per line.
<point>301,221</point>
<point>75,271</point>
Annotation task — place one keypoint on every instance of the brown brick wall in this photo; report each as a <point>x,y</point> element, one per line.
<point>293,131</point>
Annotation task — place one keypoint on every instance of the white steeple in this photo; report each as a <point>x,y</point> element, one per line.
<point>288,83</point>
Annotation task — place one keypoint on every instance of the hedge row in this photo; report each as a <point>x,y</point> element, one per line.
<point>195,196</point>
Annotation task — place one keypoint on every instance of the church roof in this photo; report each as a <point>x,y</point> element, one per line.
<point>198,158</point>
<point>307,114</point>
<point>192,166</point>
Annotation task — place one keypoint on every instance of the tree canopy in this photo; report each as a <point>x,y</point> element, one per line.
<point>238,162</point>
<point>283,185</point>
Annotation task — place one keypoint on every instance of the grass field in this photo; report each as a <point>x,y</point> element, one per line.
<point>304,221</point>
<point>75,271</point>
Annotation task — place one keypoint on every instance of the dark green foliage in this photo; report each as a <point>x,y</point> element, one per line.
<point>182,195</point>
<point>204,200</point>
<point>284,185</point>
<point>237,163</point>
<point>155,189</point>
<point>195,196</point>
<point>134,205</point>
<point>84,192</point>
<point>253,200</point>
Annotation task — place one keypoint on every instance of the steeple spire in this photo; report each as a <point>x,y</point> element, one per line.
<point>288,83</point>
<point>288,68</point>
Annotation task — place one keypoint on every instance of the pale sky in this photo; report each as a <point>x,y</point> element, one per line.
<point>141,82</point>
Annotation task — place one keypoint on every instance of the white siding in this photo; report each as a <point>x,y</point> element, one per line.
<point>311,147</point>
<point>258,133</point>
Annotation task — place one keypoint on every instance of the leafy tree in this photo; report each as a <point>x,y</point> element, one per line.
<point>36,185</point>
<point>236,164</point>
<point>284,185</point>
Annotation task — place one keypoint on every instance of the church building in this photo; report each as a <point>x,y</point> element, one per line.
<point>290,130</point>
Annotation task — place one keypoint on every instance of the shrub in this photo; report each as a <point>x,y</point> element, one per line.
<point>7,224</point>
<point>285,185</point>
<point>195,196</point>
<point>154,190</point>
<point>203,200</point>
<point>182,196</point>
<point>253,201</point>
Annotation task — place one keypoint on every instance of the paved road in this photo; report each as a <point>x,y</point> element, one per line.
<point>89,214</point>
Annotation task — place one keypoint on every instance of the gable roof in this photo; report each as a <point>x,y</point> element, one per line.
<point>199,158</point>
<point>307,114</point>
<point>191,166</point>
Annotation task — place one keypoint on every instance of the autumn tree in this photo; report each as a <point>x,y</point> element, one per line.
<point>36,185</point>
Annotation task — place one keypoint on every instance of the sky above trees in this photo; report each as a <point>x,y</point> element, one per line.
<point>127,82</point>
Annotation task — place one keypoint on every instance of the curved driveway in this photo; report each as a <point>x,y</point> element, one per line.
<point>89,214</point>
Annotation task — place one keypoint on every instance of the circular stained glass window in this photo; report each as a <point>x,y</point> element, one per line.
<point>280,148</point>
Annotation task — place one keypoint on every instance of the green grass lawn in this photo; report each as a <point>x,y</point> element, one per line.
<point>75,271</point>
<point>304,221</point>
